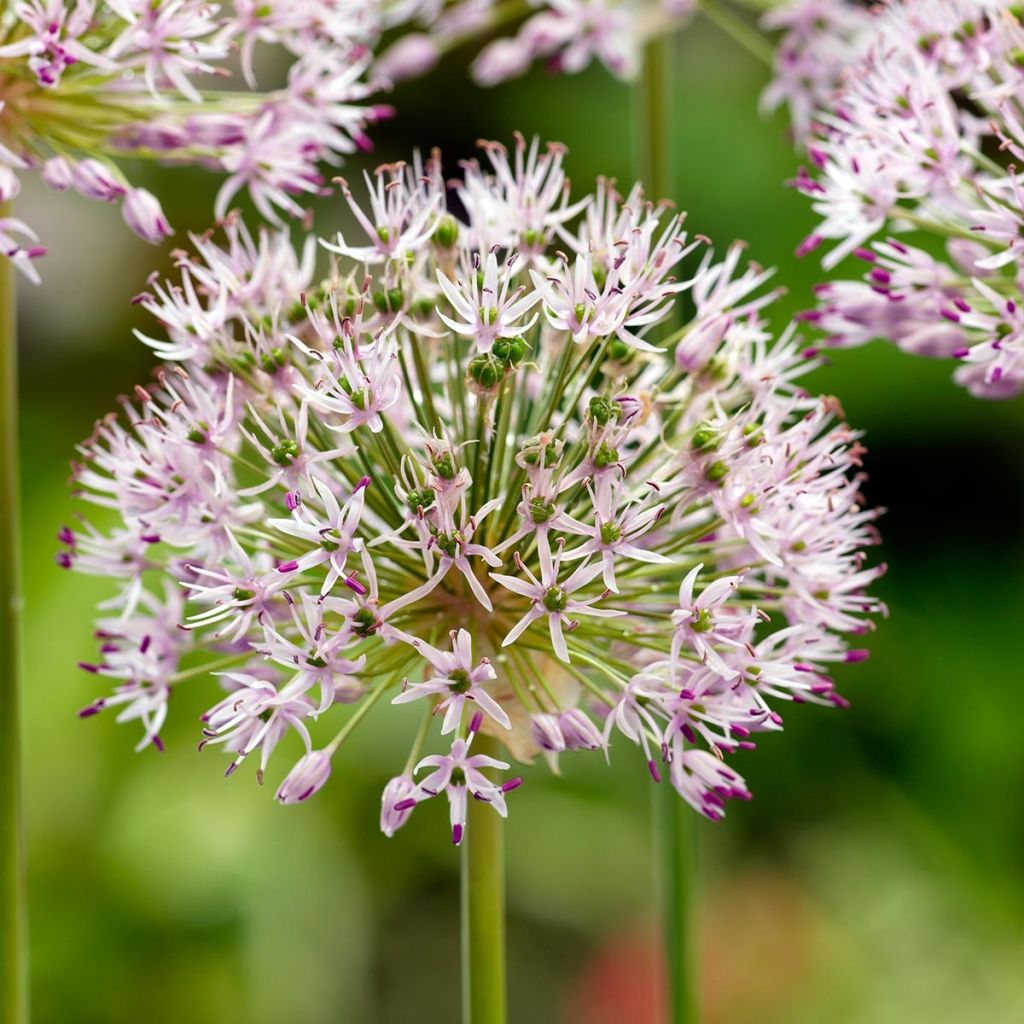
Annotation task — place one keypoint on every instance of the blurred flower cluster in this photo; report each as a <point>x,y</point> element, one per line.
<point>480,466</point>
<point>566,34</point>
<point>819,40</point>
<point>87,84</point>
<point>916,170</point>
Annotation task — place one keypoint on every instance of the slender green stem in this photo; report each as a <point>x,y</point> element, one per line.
<point>13,912</point>
<point>483,909</point>
<point>676,867</point>
<point>672,820</point>
<point>653,123</point>
<point>739,31</point>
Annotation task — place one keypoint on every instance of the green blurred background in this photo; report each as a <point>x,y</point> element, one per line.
<point>876,877</point>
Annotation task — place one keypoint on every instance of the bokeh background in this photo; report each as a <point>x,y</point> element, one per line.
<point>877,875</point>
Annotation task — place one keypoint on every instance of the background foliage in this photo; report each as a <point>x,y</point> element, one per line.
<point>877,875</point>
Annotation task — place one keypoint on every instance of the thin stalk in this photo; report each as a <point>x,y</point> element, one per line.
<point>676,866</point>
<point>483,909</point>
<point>672,821</point>
<point>742,33</point>
<point>13,904</point>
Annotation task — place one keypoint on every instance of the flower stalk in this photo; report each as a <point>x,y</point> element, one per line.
<point>673,830</point>
<point>13,919</point>
<point>484,998</point>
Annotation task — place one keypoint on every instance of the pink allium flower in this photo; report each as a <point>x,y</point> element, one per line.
<point>923,143</point>
<point>346,490</point>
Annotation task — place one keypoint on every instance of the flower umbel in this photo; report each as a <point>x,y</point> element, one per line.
<point>549,536</point>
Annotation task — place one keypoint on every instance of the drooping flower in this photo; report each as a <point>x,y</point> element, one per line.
<point>662,539</point>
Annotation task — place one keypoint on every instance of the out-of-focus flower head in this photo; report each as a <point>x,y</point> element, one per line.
<point>819,40</point>
<point>86,84</point>
<point>475,465</point>
<point>916,170</point>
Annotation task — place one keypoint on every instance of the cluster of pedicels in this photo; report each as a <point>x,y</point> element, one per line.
<point>482,464</point>
<point>917,170</point>
<point>86,84</point>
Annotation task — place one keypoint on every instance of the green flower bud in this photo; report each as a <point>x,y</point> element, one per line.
<point>423,499</point>
<point>703,621</point>
<point>531,456</point>
<point>389,301</point>
<point>446,234</point>
<point>619,351</point>
<point>458,681</point>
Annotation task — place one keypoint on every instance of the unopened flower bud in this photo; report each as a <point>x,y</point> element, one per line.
<point>142,213</point>
<point>547,732</point>
<point>396,804</point>
<point>306,778</point>
<point>96,180</point>
<point>411,56</point>
<point>579,731</point>
<point>57,173</point>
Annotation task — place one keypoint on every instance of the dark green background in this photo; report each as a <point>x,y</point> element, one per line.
<point>876,877</point>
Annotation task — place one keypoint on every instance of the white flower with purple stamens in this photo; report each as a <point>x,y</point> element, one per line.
<point>458,775</point>
<point>457,680</point>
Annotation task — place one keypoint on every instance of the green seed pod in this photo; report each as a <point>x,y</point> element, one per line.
<point>716,472</point>
<point>603,410</point>
<point>285,452</point>
<point>705,438</point>
<point>619,351</point>
<point>484,374</point>
<point>510,351</point>
<point>605,456</point>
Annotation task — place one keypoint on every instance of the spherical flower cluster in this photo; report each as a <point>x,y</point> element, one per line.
<point>85,84</point>
<point>479,467</point>
<point>917,171</point>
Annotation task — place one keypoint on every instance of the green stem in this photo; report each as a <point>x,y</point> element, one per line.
<point>13,912</point>
<point>673,825</point>
<point>740,31</point>
<point>483,909</point>
<point>676,851</point>
<point>653,121</point>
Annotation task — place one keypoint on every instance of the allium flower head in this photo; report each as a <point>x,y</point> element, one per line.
<point>477,469</point>
<point>85,84</point>
<point>917,171</point>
